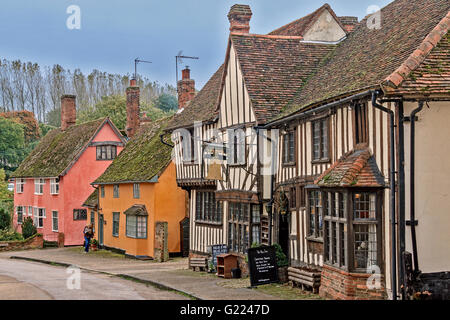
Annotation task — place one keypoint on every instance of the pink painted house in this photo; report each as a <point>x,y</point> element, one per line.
<point>52,183</point>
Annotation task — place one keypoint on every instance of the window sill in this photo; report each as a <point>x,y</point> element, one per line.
<point>190,163</point>
<point>321,161</point>
<point>289,164</point>
<point>237,165</point>
<point>314,239</point>
<point>207,223</point>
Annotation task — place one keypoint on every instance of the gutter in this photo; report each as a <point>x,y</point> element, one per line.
<point>318,109</point>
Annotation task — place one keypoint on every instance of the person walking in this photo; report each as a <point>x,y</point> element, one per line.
<point>88,234</point>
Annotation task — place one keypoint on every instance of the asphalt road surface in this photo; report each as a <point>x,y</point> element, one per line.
<point>23,280</point>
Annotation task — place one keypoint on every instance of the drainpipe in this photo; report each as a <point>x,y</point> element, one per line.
<point>412,188</point>
<point>392,195</point>
<point>401,200</point>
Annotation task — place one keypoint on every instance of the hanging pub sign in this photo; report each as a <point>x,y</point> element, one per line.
<point>216,250</point>
<point>262,262</point>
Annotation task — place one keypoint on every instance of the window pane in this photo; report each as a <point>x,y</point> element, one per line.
<point>141,227</point>
<point>324,140</point>
<point>365,240</point>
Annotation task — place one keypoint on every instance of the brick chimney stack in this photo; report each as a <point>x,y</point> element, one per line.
<point>186,88</point>
<point>239,17</point>
<point>68,111</point>
<point>133,110</point>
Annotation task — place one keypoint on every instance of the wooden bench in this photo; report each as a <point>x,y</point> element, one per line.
<point>305,278</point>
<point>198,264</point>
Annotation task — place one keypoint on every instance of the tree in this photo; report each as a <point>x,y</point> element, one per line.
<point>166,102</point>
<point>12,143</point>
<point>5,219</point>
<point>28,228</point>
<point>5,194</point>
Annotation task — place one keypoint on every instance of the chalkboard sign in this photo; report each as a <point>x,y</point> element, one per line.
<point>218,250</point>
<point>262,263</point>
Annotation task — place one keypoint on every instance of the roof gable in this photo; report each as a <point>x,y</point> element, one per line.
<point>59,150</point>
<point>306,26</point>
<point>143,158</point>
<point>274,68</point>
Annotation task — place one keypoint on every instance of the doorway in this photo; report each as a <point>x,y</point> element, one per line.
<point>100,229</point>
<point>283,235</point>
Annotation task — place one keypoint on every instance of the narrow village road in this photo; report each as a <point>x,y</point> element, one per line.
<point>34,281</point>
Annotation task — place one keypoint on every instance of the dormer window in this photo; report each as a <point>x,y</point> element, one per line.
<point>106,152</point>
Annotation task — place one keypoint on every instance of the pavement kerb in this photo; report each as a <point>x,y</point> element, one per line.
<point>120,275</point>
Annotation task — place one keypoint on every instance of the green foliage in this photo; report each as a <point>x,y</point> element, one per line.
<point>10,235</point>
<point>28,228</point>
<point>166,102</point>
<point>5,219</point>
<point>54,117</point>
<point>45,128</point>
<point>282,260</point>
<point>12,143</point>
<point>5,194</point>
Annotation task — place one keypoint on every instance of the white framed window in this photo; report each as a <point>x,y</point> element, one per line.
<point>39,186</point>
<point>19,185</point>
<point>55,221</point>
<point>19,212</point>
<point>54,186</point>
<point>136,227</point>
<point>39,215</point>
<point>30,211</point>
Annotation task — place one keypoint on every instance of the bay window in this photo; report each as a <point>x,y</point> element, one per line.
<point>352,237</point>
<point>136,227</point>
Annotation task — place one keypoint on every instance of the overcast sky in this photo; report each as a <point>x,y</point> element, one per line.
<point>114,32</point>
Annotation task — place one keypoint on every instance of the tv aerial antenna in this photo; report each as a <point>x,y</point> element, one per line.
<point>136,62</point>
<point>179,59</point>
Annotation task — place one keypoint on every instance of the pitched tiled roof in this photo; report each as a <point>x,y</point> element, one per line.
<point>58,150</point>
<point>92,200</point>
<point>202,107</point>
<point>275,68</point>
<point>432,77</point>
<point>357,168</point>
<point>368,56</point>
<point>300,26</point>
<point>143,158</point>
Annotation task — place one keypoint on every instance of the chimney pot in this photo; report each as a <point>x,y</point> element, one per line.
<point>239,17</point>
<point>68,111</point>
<point>186,73</point>
<point>185,88</point>
<point>133,83</point>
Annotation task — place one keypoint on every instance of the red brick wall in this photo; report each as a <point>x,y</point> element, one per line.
<point>133,110</point>
<point>68,111</point>
<point>31,243</point>
<point>341,285</point>
<point>186,89</point>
